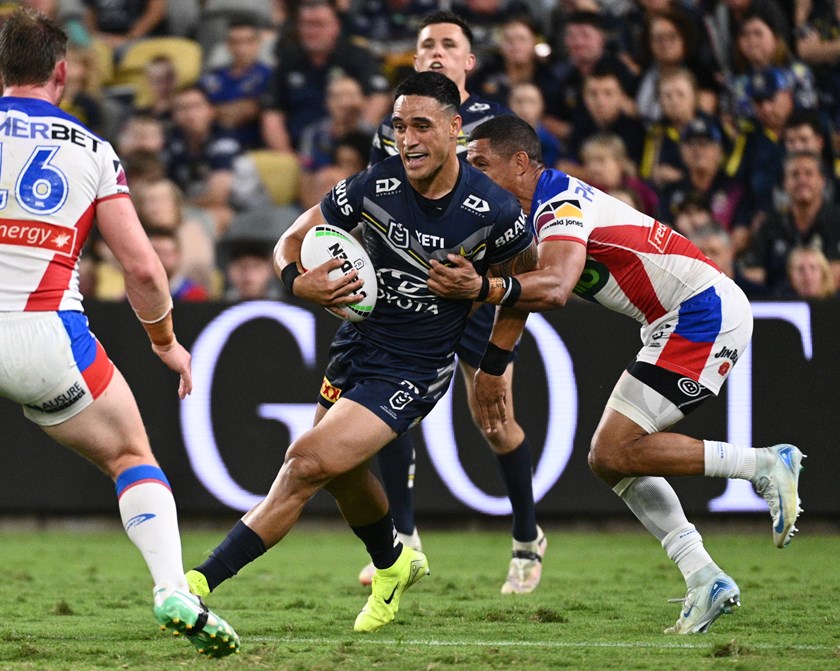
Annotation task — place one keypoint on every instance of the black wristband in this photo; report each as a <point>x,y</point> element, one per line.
<point>495,360</point>
<point>485,289</point>
<point>288,276</point>
<point>513,289</point>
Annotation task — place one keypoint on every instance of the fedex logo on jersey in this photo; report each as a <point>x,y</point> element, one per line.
<point>659,235</point>
<point>38,234</point>
<point>557,216</point>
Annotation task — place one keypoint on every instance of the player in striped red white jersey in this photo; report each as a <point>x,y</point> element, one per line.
<point>695,322</point>
<point>56,179</point>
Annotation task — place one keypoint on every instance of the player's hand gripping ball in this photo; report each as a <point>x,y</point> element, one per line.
<point>325,242</point>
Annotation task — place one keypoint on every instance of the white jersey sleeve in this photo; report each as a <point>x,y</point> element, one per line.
<point>635,264</point>
<point>53,172</point>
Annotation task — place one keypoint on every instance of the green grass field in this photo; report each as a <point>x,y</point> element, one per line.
<point>82,600</point>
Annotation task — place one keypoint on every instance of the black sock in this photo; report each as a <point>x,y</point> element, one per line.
<point>240,547</point>
<point>379,540</point>
<point>517,474</point>
<point>396,466</point>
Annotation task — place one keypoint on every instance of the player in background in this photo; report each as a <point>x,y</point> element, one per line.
<point>444,45</point>
<point>387,372</point>
<point>57,177</point>
<point>695,323</point>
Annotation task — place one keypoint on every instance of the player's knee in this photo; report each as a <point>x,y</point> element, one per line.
<point>608,457</point>
<point>304,466</point>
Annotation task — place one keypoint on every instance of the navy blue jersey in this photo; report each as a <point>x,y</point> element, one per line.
<point>482,222</point>
<point>474,111</point>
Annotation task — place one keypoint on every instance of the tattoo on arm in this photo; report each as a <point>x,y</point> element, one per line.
<point>521,263</point>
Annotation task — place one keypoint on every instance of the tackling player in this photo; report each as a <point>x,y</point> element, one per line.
<point>56,177</point>
<point>387,372</point>
<point>444,45</point>
<point>695,323</point>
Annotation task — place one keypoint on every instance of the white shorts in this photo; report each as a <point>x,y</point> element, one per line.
<point>51,364</point>
<point>703,338</point>
<point>693,349</point>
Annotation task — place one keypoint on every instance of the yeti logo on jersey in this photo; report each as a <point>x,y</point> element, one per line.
<point>387,185</point>
<point>398,235</point>
<point>659,236</point>
<point>405,291</point>
<point>476,204</point>
<point>512,232</point>
<point>478,107</point>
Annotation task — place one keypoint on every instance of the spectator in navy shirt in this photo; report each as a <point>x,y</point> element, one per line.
<point>199,155</point>
<point>317,53</point>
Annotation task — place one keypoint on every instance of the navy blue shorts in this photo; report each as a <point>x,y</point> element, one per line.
<point>473,342</point>
<point>398,391</point>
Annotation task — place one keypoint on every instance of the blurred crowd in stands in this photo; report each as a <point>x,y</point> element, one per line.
<point>720,118</point>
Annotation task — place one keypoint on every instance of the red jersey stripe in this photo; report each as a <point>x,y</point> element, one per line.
<point>56,279</point>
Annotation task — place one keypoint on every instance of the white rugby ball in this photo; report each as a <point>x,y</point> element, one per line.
<point>325,242</point>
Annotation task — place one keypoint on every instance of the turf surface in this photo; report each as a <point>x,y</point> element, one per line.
<point>82,600</point>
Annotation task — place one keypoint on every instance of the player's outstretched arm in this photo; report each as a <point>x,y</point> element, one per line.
<point>146,285</point>
<point>546,288</point>
<point>313,284</point>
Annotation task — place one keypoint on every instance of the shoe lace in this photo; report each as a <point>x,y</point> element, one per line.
<point>767,490</point>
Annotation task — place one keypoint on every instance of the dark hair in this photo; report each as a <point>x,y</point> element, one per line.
<point>445,16</point>
<point>795,155</point>
<point>356,140</point>
<point>803,117</point>
<point>30,46</point>
<point>241,247</point>
<point>431,85</point>
<point>509,134</point>
<point>586,17</point>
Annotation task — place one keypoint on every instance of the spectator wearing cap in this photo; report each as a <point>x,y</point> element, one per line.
<point>761,45</point>
<point>678,96</point>
<point>702,152</point>
<point>809,220</point>
<point>758,152</point>
<point>585,40</point>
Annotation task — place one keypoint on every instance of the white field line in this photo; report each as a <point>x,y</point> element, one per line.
<point>351,641</point>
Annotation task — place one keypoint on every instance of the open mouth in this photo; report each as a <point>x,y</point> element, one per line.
<point>413,159</point>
